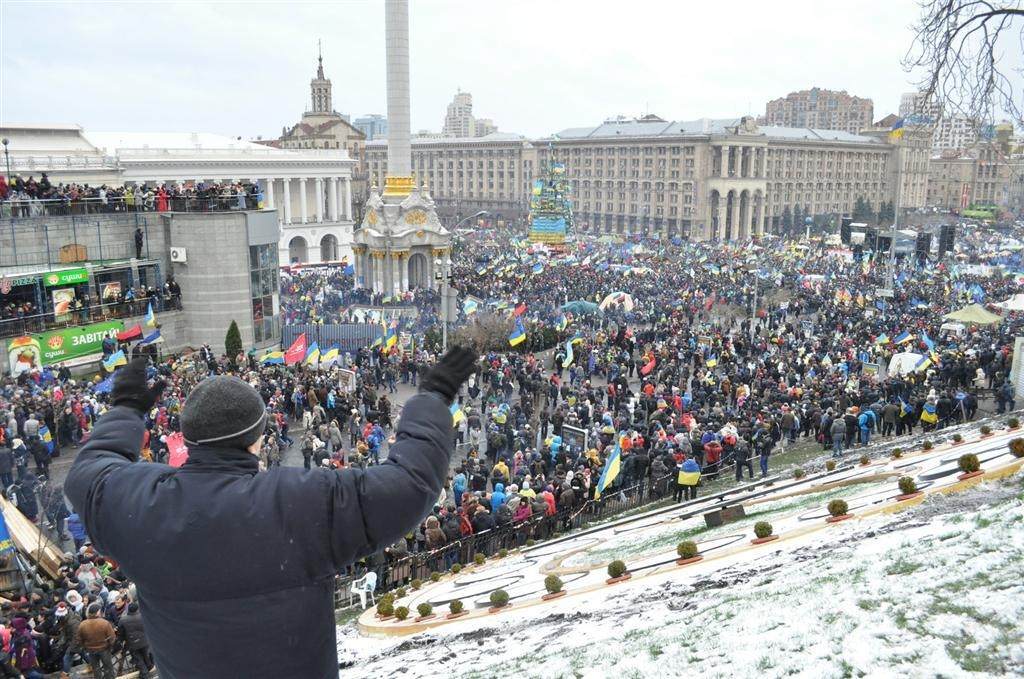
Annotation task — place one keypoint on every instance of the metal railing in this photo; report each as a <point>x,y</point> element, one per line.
<point>420,565</point>
<point>26,208</point>
<point>27,325</point>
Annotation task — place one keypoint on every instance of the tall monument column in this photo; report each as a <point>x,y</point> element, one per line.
<point>396,40</point>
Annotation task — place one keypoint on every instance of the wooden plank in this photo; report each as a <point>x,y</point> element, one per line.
<point>30,541</point>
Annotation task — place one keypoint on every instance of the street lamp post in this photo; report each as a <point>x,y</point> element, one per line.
<point>7,158</point>
<point>441,273</point>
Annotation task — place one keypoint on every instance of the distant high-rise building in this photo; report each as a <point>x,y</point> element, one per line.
<point>373,125</point>
<point>949,133</point>
<point>820,109</point>
<point>459,121</point>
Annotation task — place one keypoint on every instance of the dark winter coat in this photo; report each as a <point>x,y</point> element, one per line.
<point>131,631</point>
<point>288,531</point>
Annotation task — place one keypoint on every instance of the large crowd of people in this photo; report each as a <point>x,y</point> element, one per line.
<point>33,197</point>
<point>688,362</point>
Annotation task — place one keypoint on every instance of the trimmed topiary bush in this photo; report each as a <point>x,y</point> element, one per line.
<point>897,452</point>
<point>907,485</point>
<point>1017,447</point>
<point>455,606</point>
<point>985,430</point>
<point>838,507</point>
<point>616,568</point>
<point>830,465</point>
<point>968,463</point>
<point>553,584</point>
<point>762,529</point>
<point>927,445</point>
<point>402,612</point>
<point>435,576</point>
<point>456,567</point>
<point>502,553</point>
<point>1013,423</point>
<point>530,542</point>
<point>479,558</point>
<point>385,607</point>
<point>499,598</point>
<point>864,459</point>
<point>416,584</point>
<point>958,437</point>
<point>400,592</point>
<point>798,473</point>
<point>424,609</point>
<point>687,549</point>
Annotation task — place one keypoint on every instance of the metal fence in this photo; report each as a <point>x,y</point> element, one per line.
<point>346,336</point>
<point>420,565</point>
<point>54,240</point>
<point>16,208</point>
<point>27,325</point>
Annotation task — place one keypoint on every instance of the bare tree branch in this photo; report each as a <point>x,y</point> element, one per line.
<point>959,53</point>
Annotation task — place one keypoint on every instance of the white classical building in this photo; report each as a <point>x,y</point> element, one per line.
<point>311,189</point>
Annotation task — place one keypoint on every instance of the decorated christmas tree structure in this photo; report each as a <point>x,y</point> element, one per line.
<point>551,220</point>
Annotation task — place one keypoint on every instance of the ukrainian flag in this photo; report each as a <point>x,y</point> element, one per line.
<point>330,356</point>
<point>273,358</point>
<point>610,471</point>
<point>114,360</point>
<point>904,336</point>
<point>313,354</point>
<point>457,414</point>
<point>928,342</point>
<point>897,130</point>
<point>905,408</point>
<point>391,336</point>
<point>469,307</point>
<point>518,335</point>
<point>150,316</point>
<point>882,339</point>
<point>562,323</point>
<point>569,355</point>
<point>46,437</point>
<point>923,363</point>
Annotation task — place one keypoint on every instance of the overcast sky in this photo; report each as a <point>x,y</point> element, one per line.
<point>534,67</point>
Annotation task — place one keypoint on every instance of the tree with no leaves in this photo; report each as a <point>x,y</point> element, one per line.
<point>968,55</point>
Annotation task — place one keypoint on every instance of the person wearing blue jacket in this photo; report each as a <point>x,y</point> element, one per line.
<point>497,497</point>
<point>687,478</point>
<point>234,567</point>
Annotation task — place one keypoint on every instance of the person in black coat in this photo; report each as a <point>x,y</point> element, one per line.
<point>214,547</point>
<point>132,633</point>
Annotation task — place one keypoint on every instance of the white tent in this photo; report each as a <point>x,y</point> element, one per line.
<point>1015,303</point>
<point>904,363</point>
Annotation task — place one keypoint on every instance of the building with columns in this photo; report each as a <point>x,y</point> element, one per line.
<point>468,175</point>
<point>311,189</point>
<point>401,240</point>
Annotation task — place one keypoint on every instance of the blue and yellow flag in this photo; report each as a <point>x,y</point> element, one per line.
<point>470,306</point>
<point>562,323</point>
<point>882,339</point>
<point>330,356</point>
<point>610,471</point>
<point>150,316</point>
<point>928,341</point>
<point>273,358</point>
<point>391,336</point>
<point>457,413</point>
<point>46,437</point>
<point>518,335</point>
<point>569,355</point>
<point>114,360</point>
<point>897,130</point>
<point>313,354</point>
<point>904,336</point>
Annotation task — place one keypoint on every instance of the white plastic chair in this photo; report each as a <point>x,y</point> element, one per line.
<point>364,586</point>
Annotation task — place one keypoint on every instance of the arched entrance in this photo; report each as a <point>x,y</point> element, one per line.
<point>419,271</point>
<point>329,248</point>
<point>297,251</point>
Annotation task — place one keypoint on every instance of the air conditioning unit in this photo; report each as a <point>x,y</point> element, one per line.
<point>179,255</point>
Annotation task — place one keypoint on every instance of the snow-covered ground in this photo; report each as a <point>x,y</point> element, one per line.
<point>931,591</point>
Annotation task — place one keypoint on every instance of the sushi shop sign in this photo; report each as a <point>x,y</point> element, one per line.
<point>34,351</point>
<point>66,277</point>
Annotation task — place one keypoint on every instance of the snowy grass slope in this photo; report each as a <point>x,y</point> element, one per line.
<point>931,591</point>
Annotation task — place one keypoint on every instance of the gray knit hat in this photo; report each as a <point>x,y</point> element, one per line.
<point>224,412</point>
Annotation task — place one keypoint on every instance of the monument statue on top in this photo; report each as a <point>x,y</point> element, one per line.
<point>400,236</point>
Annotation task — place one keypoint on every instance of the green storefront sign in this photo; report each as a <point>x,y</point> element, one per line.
<point>66,277</point>
<point>55,346</point>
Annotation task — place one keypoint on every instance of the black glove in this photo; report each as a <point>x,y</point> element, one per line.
<point>450,372</point>
<point>130,388</point>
